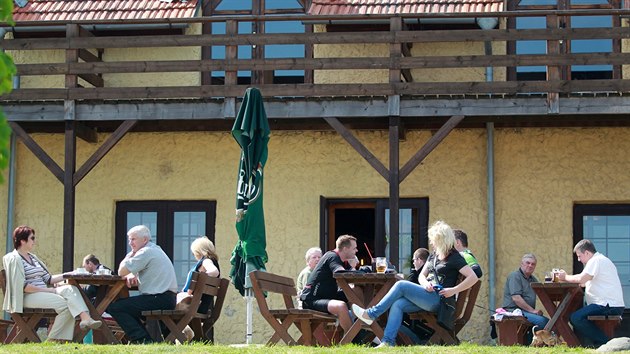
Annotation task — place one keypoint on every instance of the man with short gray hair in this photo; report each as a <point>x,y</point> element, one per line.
<point>518,292</point>
<point>148,267</point>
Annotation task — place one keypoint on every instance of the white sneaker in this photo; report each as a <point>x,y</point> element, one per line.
<point>383,345</point>
<point>361,314</point>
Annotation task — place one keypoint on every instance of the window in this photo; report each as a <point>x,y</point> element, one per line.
<point>368,221</point>
<point>608,226</point>
<point>576,72</point>
<point>173,224</point>
<point>270,51</point>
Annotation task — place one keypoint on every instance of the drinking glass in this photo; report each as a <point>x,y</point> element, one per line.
<point>555,272</point>
<point>381,264</point>
<point>548,277</point>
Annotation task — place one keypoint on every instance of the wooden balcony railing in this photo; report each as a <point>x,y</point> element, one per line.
<point>81,62</point>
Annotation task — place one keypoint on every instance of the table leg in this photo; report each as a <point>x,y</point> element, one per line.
<point>561,314</point>
<point>104,334</point>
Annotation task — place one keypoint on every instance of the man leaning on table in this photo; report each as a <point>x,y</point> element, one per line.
<point>321,292</point>
<point>518,292</point>
<point>603,294</point>
<point>148,267</point>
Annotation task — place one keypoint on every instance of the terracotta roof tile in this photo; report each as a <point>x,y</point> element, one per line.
<point>388,7</point>
<point>68,10</point>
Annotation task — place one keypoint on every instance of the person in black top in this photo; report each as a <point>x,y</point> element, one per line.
<point>419,258</point>
<point>438,279</point>
<point>321,292</point>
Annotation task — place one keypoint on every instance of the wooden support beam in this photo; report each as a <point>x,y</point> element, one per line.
<point>86,133</point>
<point>111,141</point>
<point>93,79</point>
<point>88,56</point>
<point>358,146</point>
<point>431,144</point>
<point>394,189</point>
<point>72,55</point>
<point>395,49</point>
<point>70,153</point>
<point>553,71</point>
<point>231,51</point>
<point>41,155</point>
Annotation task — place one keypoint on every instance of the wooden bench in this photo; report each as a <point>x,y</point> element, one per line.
<point>177,320</point>
<point>310,323</point>
<point>606,323</point>
<point>463,310</point>
<point>25,324</point>
<point>511,330</point>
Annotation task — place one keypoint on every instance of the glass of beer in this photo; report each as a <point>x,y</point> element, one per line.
<point>555,272</point>
<point>548,277</point>
<point>381,264</point>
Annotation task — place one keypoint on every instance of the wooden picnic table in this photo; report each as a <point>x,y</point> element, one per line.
<point>111,287</point>
<point>367,290</point>
<point>560,300</point>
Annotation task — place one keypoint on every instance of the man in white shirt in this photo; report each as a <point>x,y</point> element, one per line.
<point>603,294</point>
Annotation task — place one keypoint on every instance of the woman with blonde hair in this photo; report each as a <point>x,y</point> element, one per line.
<point>207,261</point>
<point>438,278</point>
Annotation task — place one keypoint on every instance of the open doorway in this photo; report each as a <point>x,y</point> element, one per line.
<point>360,224</point>
<point>368,221</point>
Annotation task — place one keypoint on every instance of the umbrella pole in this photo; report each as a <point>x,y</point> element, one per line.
<point>249,300</point>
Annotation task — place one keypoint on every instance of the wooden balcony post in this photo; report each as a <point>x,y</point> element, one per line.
<point>553,71</point>
<point>72,56</point>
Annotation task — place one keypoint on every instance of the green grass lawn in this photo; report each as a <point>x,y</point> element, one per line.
<point>260,349</point>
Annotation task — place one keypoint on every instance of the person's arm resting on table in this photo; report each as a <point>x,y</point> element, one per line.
<point>581,278</point>
<point>520,302</point>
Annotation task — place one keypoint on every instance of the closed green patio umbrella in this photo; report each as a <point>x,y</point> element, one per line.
<point>251,132</point>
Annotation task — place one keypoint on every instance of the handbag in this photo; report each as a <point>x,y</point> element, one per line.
<point>446,310</point>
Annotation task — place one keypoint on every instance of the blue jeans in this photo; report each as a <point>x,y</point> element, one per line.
<point>403,297</point>
<point>536,320</point>
<point>586,329</point>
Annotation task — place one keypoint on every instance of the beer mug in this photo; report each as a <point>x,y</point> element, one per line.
<point>555,272</point>
<point>381,264</point>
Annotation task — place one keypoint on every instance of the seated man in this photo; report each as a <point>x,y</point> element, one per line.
<point>518,292</point>
<point>149,268</point>
<point>92,264</point>
<point>312,257</point>
<point>461,245</point>
<point>603,294</point>
<point>420,257</point>
<point>321,292</point>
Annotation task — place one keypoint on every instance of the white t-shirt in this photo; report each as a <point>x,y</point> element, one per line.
<point>605,287</point>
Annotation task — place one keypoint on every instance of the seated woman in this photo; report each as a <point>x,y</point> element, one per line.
<point>29,284</point>
<point>208,262</point>
<point>442,268</point>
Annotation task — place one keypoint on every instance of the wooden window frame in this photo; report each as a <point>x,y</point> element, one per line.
<point>164,210</point>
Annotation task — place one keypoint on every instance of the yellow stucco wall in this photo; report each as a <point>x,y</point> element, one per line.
<point>418,49</point>
<point>539,174</point>
<point>115,55</point>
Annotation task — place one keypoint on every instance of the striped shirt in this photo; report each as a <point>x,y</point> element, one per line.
<point>35,274</point>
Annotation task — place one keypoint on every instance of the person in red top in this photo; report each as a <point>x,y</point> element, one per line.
<point>321,292</point>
